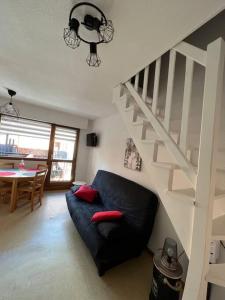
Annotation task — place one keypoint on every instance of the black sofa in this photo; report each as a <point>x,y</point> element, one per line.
<point>139,206</point>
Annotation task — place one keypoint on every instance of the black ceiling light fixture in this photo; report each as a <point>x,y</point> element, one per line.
<point>9,108</point>
<point>91,29</point>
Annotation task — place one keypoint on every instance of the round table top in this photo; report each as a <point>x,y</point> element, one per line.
<point>17,173</point>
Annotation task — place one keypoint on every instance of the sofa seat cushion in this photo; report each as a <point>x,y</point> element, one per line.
<point>114,230</point>
<point>81,213</point>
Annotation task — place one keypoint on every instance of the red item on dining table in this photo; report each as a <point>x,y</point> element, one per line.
<point>5,173</point>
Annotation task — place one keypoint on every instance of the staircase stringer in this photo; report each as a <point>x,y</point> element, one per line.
<point>168,141</point>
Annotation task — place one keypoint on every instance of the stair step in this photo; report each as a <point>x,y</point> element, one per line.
<point>218,229</point>
<point>131,108</point>
<point>123,98</point>
<point>189,194</point>
<point>141,123</point>
<point>166,165</point>
<point>123,102</point>
<point>160,110</point>
<point>183,194</point>
<point>221,168</point>
<point>149,101</point>
<point>194,151</point>
<point>219,194</point>
<point>152,141</point>
<point>126,100</point>
<point>216,274</point>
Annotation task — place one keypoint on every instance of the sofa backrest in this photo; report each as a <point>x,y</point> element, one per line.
<point>138,204</point>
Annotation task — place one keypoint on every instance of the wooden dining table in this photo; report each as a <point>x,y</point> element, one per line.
<point>15,176</point>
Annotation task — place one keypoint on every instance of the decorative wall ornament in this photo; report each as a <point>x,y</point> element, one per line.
<point>91,29</point>
<point>132,158</point>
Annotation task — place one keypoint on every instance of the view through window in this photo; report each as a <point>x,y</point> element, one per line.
<point>63,153</point>
<point>28,139</point>
<point>24,138</point>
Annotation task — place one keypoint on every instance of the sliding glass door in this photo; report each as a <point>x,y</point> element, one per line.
<point>62,156</point>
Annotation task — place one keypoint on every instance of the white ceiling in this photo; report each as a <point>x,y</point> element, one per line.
<point>35,61</point>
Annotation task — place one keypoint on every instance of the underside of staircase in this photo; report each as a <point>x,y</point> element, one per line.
<point>176,126</point>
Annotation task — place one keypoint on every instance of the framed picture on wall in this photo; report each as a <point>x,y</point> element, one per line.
<point>132,158</point>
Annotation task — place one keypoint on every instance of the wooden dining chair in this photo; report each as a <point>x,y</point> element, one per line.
<point>33,189</point>
<point>7,165</point>
<point>42,167</point>
<point>5,191</point>
<point>5,187</point>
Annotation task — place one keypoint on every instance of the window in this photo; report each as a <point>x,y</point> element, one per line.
<point>34,140</point>
<point>63,154</point>
<point>24,138</point>
<point>64,143</point>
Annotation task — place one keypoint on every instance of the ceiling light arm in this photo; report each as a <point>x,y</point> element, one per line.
<point>95,7</point>
<point>88,4</point>
<point>88,42</point>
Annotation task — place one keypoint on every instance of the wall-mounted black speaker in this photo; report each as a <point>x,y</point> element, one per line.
<point>92,140</point>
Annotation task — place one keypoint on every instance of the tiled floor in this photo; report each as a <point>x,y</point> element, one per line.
<point>42,257</point>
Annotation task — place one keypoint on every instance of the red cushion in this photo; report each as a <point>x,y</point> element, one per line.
<point>106,215</point>
<point>86,193</point>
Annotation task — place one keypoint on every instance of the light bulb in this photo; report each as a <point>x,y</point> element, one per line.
<point>71,39</point>
<point>93,60</point>
<point>107,31</point>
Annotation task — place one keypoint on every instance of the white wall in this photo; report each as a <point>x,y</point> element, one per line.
<point>45,114</point>
<point>82,157</point>
<point>109,155</point>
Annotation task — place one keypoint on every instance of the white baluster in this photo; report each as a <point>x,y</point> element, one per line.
<point>155,152</point>
<point>186,104</point>
<point>169,93</point>
<point>156,85</point>
<point>136,82</point>
<point>145,84</point>
<point>170,180</point>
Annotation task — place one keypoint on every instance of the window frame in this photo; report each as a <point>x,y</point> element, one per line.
<point>65,184</point>
<point>49,160</point>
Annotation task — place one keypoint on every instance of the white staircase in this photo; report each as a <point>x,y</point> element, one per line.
<point>192,154</point>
